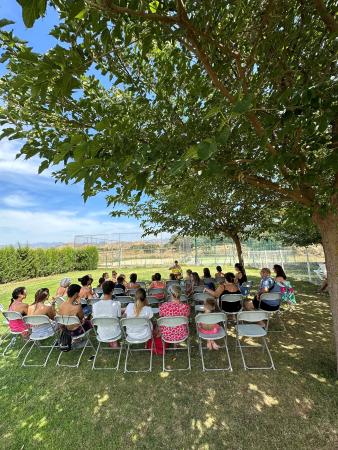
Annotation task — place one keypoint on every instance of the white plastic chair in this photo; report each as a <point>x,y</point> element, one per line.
<point>213,319</point>
<point>253,331</point>
<point>231,298</point>
<point>118,291</point>
<point>157,291</point>
<point>266,297</point>
<point>124,300</point>
<point>70,321</point>
<point>198,289</point>
<point>131,292</point>
<point>106,322</point>
<point>13,315</point>
<point>172,322</point>
<point>58,302</point>
<point>154,303</point>
<point>39,321</point>
<point>136,322</point>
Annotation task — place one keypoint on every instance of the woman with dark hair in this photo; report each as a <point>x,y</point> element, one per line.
<point>240,277</point>
<point>195,281</point>
<point>101,281</point>
<point>38,308</point>
<point>133,282</point>
<point>18,325</point>
<point>72,307</point>
<point>86,289</point>
<point>280,274</point>
<point>207,280</point>
<point>228,287</point>
<point>157,284</point>
<point>219,273</point>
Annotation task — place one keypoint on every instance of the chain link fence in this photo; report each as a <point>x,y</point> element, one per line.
<point>125,250</point>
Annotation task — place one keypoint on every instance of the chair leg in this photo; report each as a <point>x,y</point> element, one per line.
<point>110,349</point>
<point>80,357</point>
<point>35,344</point>
<point>129,350</point>
<point>176,349</point>
<point>206,369</point>
<point>265,346</point>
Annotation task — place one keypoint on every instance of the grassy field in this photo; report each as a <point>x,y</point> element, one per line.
<point>294,407</point>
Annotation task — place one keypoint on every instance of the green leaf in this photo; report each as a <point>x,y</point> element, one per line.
<point>153,6</point>
<point>43,166</point>
<point>243,105</point>
<point>32,10</point>
<point>205,149</point>
<point>7,132</point>
<point>5,22</point>
<point>81,14</point>
<point>212,112</point>
<point>222,136</point>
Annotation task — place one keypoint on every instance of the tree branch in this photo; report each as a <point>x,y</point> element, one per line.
<point>115,9</point>
<point>326,17</point>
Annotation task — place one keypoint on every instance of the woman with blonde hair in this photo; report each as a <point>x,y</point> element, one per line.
<point>174,308</point>
<point>140,308</point>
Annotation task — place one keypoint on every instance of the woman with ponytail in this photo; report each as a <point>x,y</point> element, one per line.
<point>142,309</point>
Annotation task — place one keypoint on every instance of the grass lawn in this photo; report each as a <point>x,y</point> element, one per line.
<point>294,407</point>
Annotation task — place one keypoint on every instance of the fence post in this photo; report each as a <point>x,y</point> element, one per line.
<point>308,266</point>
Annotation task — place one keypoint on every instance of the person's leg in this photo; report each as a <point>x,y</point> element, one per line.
<point>214,345</point>
<point>209,345</point>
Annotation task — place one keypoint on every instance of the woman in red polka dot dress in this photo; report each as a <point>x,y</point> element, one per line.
<point>174,308</point>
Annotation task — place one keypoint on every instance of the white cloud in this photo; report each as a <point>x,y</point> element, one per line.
<point>8,163</point>
<point>18,200</point>
<point>61,226</point>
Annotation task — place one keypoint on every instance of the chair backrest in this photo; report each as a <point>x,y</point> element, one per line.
<point>135,322</point>
<point>37,320</point>
<point>12,315</point>
<point>211,318</point>
<point>105,321</point>
<point>199,288</point>
<point>98,291</point>
<point>125,299</point>
<point>201,297</point>
<point>252,316</point>
<point>247,284</point>
<point>118,291</point>
<point>271,296</point>
<point>171,283</point>
<point>142,284</point>
<point>153,301</point>
<point>154,291</point>
<point>231,298</point>
<point>67,320</point>
<point>58,301</point>
<point>183,298</point>
<point>209,280</point>
<point>131,291</point>
<point>172,321</point>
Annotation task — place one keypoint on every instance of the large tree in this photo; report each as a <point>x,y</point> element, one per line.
<point>206,207</point>
<point>137,92</point>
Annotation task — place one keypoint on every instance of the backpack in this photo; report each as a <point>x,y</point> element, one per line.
<point>65,341</point>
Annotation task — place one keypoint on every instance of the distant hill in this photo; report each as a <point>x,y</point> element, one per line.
<point>38,244</point>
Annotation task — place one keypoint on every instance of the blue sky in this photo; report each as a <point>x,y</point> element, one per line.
<point>32,207</point>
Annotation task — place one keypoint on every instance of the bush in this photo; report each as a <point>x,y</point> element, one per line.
<point>23,262</point>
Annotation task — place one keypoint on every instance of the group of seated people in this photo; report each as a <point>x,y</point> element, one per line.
<point>109,306</point>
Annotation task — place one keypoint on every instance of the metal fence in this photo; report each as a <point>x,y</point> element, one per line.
<point>125,250</point>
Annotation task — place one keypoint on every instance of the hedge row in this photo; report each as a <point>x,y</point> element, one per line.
<point>24,262</point>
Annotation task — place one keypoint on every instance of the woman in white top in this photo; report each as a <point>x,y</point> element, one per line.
<point>106,307</point>
<point>139,309</point>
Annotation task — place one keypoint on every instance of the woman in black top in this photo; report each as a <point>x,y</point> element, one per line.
<point>228,287</point>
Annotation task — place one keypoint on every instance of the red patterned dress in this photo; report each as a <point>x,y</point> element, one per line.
<point>174,309</point>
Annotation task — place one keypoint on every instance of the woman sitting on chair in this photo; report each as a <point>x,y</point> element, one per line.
<point>133,282</point>
<point>228,287</point>
<point>72,307</point>
<point>219,273</point>
<point>18,325</point>
<point>157,284</point>
<point>266,285</point>
<point>86,289</point>
<point>38,308</point>
<point>139,309</point>
<point>240,277</point>
<point>174,308</point>
<point>62,289</point>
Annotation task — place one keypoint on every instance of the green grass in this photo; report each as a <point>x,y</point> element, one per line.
<point>294,407</point>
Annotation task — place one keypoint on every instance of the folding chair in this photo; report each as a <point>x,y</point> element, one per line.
<point>266,297</point>
<point>39,321</point>
<point>124,300</point>
<point>157,291</point>
<point>254,331</point>
<point>106,322</point>
<point>131,292</point>
<point>13,315</point>
<point>118,291</point>
<point>198,289</point>
<point>142,284</point>
<point>155,304</point>
<point>231,298</point>
<point>212,319</point>
<point>58,302</point>
<point>136,322</point>
<point>199,299</point>
<point>69,321</point>
<point>172,322</point>
<point>170,283</point>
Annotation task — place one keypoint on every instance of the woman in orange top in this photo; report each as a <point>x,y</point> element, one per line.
<point>157,284</point>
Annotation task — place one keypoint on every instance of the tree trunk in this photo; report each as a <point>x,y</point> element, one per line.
<point>238,244</point>
<point>328,228</point>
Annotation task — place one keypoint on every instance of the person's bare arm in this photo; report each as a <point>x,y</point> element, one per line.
<point>215,294</point>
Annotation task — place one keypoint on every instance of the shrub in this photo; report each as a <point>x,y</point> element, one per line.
<point>24,262</point>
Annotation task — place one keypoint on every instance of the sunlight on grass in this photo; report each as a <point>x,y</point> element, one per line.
<point>164,374</point>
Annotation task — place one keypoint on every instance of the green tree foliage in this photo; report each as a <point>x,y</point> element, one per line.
<point>24,262</point>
